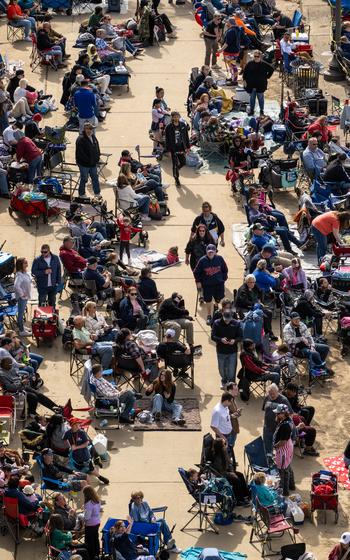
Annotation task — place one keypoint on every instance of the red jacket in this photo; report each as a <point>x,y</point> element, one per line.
<point>126,231</point>
<point>71,260</point>
<point>27,150</point>
<point>336,553</point>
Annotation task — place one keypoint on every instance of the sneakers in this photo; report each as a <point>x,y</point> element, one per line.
<point>208,321</point>
<point>25,332</point>
<point>178,422</point>
<point>177,182</point>
<point>174,550</point>
<point>165,186</point>
<point>216,67</point>
<point>27,39</point>
<point>103,479</point>
<point>145,218</point>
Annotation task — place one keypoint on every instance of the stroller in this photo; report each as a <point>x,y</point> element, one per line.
<point>324,493</point>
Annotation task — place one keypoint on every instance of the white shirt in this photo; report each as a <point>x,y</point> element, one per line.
<point>22,285</point>
<point>19,93</point>
<point>8,136</point>
<point>48,262</point>
<point>221,420</point>
<point>286,47</point>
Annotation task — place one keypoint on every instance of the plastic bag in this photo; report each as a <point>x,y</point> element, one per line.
<point>100,444</point>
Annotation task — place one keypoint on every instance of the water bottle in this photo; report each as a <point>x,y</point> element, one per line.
<point>103,423</point>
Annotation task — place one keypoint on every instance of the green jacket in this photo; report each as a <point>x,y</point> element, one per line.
<point>61,539</point>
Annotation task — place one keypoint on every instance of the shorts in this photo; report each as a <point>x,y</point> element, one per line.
<point>216,292</point>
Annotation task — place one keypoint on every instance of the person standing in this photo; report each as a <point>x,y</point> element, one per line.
<point>221,420</point>
<point>210,275</point>
<point>234,40</point>
<point>85,102</point>
<point>284,448</point>
<point>46,270</point>
<point>92,520</point>
<point>177,143</point>
<point>87,156</point>
<point>255,76</point>
<point>212,34</point>
<point>22,286</point>
<point>226,331</point>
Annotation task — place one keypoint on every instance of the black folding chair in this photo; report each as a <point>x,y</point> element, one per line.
<point>204,506</point>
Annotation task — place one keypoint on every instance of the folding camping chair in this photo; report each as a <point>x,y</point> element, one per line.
<point>68,410</point>
<point>15,521</point>
<point>41,57</point>
<point>203,507</point>
<point>102,163</point>
<point>103,408</point>
<point>14,33</point>
<point>65,172</point>
<point>8,412</point>
<point>182,367</point>
<point>147,533</point>
<point>127,371</point>
<point>257,458</point>
<point>77,360</point>
<point>267,527</point>
<point>49,486</point>
<point>211,149</point>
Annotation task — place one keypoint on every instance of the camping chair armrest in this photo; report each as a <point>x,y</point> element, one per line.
<point>105,154</point>
<point>60,484</point>
<point>160,509</point>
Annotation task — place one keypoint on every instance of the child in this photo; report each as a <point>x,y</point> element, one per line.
<point>126,229</point>
<point>171,258</point>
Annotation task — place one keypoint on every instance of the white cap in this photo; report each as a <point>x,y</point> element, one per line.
<point>170,333</point>
<point>345,538</point>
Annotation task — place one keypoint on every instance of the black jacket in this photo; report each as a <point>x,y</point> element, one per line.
<point>170,145</point>
<point>169,310</point>
<point>231,330</point>
<point>246,298</point>
<point>43,40</point>
<point>335,172</point>
<point>215,224</point>
<point>256,74</point>
<point>306,309</point>
<point>87,152</point>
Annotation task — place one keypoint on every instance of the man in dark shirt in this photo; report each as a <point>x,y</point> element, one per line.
<point>102,281</point>
<point>336,173</point>
<point>57,471</point>
<point>225,333</point>
<point>281,25</point>
<point>177,143</point>
<point>46,45</point>
<point>173,315</point>
<point>212,34</point>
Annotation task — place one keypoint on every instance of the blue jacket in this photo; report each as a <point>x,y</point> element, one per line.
<point>85,103</point>
<point>38,270</point>
<point>126,312</point>
<point>210,272</point>
<point>266,239</point>
<point>24,505</point>
<point>264,280</point>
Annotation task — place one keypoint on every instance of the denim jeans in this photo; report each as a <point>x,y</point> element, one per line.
<point>227,364</point>
<point>85,172</point>
<point>48,294</point>
<point>159,404</point>
<point>35,360</point>
<point>164,529</point>
<point>254,94</point>
<point>316,357</point>
<point>127,398</point>
<point>34,168</point>
<point>28,24</point>
<point>4,187</point>
<point>56,52</point>
<point>21,306</point>
<point>152,185</point>
<point>286,237</point>
<point>105,352</point>
<point>130,47</point>
<point>280,217</point>
<point>321,243</point>
<point>143,204</point>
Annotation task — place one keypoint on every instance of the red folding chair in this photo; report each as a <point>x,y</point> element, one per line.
<point>15,521</point>
<point>8,411</point>
<point>68,414</point>
<point>267,526</point>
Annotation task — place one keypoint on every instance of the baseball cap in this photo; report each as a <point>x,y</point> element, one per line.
<point>73,421</point>
<point>170,333</point>
<point>80,78</point>
<point>258,226</point>
<point>211,248</point>
<point>92,260</point>
<point>294,315</point>
<point>47,451</point>
<point>281,408</point>
<point>37,117</point>
<point>345,538</point>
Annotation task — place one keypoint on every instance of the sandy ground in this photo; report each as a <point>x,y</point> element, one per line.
<point>149,461</point>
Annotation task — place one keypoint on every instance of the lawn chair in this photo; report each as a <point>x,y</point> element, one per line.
<point>68,414</point>
<point>15,521</point>
<point>49,486</point>
<point>257,458</point>
<point>181,366</point>
<point>8,412</point>
<point>203,507</point>
<point>267,527</point>
<point>147,533</point>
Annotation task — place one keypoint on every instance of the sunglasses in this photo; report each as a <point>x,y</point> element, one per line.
<point>44,252</point>
<point>133,293</point>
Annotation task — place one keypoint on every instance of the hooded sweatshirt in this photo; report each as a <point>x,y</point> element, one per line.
<point>210,272</point>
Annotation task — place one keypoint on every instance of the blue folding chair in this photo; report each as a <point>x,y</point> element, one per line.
<point>149,533</point>
<point>257,458</point>
<point>47,483</point>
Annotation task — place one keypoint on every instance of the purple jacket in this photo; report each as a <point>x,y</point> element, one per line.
<point>92,513</point>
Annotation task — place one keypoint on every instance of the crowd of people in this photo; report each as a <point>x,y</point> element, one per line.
<point>118,315</point>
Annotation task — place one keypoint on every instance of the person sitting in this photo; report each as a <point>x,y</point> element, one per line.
<point>296,121</point>
<point>63,540</point>
<point>335,172</point>
<point>128,198</point>
<point>173,315</point>
<point>255,369</point>
<point>83,340</point>
<point>301,343</point>
<point>265,281</point>
<point>56,427</point>
<point>95,18</point>
<point>58,38</point>
<point>105,51</point>
<point>287,48</point>
<point>314,159</point>
<point>102,280</point>
<point>140,511</point>
<point>169,347</point>
<point>281,25</point>
<point>25,505</point>
<point>295,275</point>
<point>53,470</point>
<point>220,462</point>
<point>250,294</point>
<point>135,352</point>
<point>118,270</point>
<point>340,550</point>
<point>72,520</point>
<point>238,156</point>
<point>260,238</point>
<point>133,312</point>
<point>48,46</point>
<point>147,287</point>
<point>97,325</point>
<point>74,263</point>
<point>307,310</point>
<point>164,398</point>
<point>267,495</point>
<point>320,125</point>
<point>324,290</point>
<point>123,546</point>
<point>27,151</point>
<point>17,18</point>
<point>142,182</point>
<point>107,391</point>
<point>265,214</point>
<point>118,36</point>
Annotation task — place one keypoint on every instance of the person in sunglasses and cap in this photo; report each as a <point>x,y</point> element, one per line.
<point>211,274</point>
<point>47,272</point>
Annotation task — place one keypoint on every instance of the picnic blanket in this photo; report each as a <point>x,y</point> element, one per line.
<point>193,553</point>
<point>337,466</point>
<point>141,256</point>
